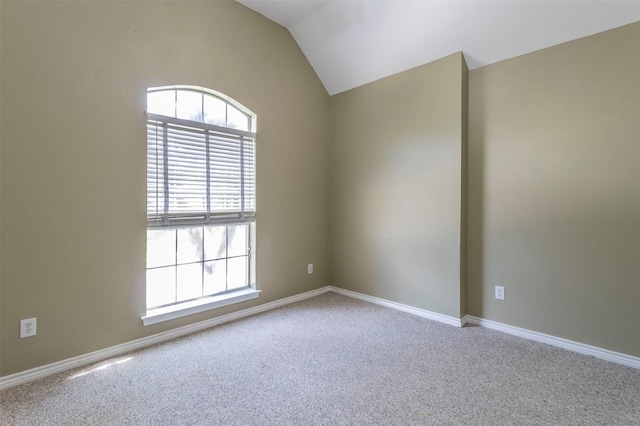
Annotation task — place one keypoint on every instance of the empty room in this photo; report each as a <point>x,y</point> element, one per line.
<point>319,212</point>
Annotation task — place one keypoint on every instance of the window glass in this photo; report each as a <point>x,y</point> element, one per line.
<point>190,247</point>
<point>161,286</point>
<point>161,247</point>
<point>189,282</point>
<point>237,272</point>
<point>215,111</point>
<point>162,102</point>
<point>189,105</point>
<point>237,240</point>
<point>215,242</point>
<point>224,248</point>
<point>215,276</point>
<point>237,119</point>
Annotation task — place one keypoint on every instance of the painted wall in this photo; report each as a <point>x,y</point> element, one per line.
<point>0,195</point>
<point>552,195</point>
<point>554,190</point>
<point>396,215</point>
<point>73,160</point>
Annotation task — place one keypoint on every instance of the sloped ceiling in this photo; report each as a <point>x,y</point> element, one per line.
<point>353,42</point>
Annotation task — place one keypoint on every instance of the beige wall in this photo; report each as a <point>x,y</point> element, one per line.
<point>552,195</point>
<point>73,160</point>
<point>554,190</point>
<point>0,194</point>
<point>396,215</point>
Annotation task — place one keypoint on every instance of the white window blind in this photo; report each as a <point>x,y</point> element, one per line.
<point>199,173</point>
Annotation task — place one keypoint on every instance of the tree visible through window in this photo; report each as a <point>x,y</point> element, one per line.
<point>201,192</point>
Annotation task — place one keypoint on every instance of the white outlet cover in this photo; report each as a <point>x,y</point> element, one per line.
<point>499,292</point>
<point>310,268</point>
<point>28,327</point>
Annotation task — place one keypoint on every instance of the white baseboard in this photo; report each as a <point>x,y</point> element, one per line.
<point>68,364</point>
<point>457,322</point>
<point>78,361</point>
<point>570,345</point>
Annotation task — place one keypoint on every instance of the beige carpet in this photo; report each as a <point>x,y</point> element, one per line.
<point>332,360</point>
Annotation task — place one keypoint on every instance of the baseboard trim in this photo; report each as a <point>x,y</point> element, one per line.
<point>456,322</point>
<point>581,348</point>
<point>100,355</point>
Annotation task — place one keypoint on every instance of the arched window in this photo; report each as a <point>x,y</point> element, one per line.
<point>201,198</point>
<point>199,105</point>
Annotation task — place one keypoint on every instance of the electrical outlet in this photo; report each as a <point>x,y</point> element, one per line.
<point>27,327</point>
<point>310,268</point>
<point>500,293</point>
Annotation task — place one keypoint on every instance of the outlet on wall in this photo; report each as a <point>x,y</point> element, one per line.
<point>27,327</point>
<point>310,268</point>
<point>500,293</point>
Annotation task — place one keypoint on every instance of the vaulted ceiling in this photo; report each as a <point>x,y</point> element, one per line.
<point>353,42</point>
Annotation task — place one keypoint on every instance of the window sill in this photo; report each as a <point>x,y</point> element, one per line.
<point>183,309</point>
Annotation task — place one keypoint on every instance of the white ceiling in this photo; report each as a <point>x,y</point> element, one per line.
<point>353,42</point>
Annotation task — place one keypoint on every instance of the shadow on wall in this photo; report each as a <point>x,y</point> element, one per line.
<point>475,199</point>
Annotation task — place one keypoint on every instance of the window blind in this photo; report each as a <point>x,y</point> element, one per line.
<point>199,173</point>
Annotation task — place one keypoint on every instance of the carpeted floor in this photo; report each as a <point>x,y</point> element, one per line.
<point>333,360</point>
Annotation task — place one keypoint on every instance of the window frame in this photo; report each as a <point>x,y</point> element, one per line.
<point>204,302</point>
